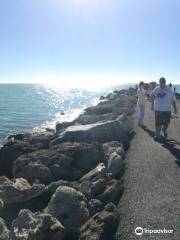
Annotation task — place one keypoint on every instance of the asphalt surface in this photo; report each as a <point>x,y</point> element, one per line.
<point>151,199</point>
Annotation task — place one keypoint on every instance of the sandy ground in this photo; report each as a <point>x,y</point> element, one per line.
<point>151,198</point>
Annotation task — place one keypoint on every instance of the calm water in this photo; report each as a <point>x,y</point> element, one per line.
<point>28,106</point>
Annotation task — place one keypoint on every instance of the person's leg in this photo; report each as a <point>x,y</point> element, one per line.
<point>138,114</point>
<point>166,122</point>
<point>158,124</point>
<point>164,130</point>
<point>141,114</point>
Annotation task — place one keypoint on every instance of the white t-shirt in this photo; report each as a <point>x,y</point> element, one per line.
<point>141,96</point>
<point>163,99</point>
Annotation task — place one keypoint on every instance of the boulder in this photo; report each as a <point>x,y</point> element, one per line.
<point>126,123</point>
<point>36,226</point>
<point>20,144</point>
<point>113,147</point>
<point>4,232</point>
<point>93,118</point>
<point>36,139</point>
<point>101,226</point>
<point>96,173</point>
<point>102,108</point>
<point>113,96</point>
<point>115,103</point>
<point>51,188</point>
<point>43,165</point>
<point>97,186</point>
<point>31,170</point>
<point>67,161</point>
<point>92,188</point>
<point>102,132</point>
<point>102,98</point>
<point>11,211</point>
<point>62,126</point>
<point>40,139</point>
<point>8,154</point>
<point>70,207</point>
<point>94,183</point>
<point>95,206</point>
<point>112,192</point>
<point>18,190</point>
<point>115,165</point>
<point>85,155</point>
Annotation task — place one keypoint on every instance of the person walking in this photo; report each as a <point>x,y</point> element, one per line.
<point>141,93</point>
<point>162,99</point>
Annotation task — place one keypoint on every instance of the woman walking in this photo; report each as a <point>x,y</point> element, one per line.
<point>141,93</point>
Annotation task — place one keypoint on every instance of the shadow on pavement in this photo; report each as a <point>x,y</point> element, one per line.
<point>169,144</point>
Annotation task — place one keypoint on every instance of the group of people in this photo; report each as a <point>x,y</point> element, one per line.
<point>161,97</point>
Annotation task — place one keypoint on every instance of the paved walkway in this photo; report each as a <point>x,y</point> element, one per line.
<point>152,184</point>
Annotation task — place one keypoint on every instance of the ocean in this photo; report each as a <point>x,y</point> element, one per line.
<point>34,107</point>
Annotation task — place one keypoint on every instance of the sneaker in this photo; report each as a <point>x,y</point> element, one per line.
<point>157,137</point>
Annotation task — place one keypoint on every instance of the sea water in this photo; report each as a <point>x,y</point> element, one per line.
<point>25,107</point>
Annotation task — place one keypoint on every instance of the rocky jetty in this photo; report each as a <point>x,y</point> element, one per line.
<point>65,184</point>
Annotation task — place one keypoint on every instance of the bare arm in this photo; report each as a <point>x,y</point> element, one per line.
<point>175,107</point>
<point>152,102</point>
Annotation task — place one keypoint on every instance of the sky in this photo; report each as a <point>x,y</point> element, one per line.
<point>89,42</point>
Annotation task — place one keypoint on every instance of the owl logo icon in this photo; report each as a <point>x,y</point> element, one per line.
<point>139,231</point>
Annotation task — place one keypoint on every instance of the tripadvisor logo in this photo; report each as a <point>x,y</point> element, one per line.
<point>140,231</point>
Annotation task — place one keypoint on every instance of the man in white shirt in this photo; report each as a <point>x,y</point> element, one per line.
<point>162,99</point>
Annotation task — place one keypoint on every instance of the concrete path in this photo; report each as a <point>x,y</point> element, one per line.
<point>151,198</point>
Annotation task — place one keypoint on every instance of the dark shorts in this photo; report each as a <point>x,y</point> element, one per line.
<point>162,118</point>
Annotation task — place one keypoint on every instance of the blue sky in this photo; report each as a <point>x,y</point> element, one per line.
<point>81,41</point>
